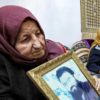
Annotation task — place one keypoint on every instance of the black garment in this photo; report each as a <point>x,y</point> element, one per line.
<point>82,88</point>
<point>77,93</point>
<point>93,63</point>
<point>14,83</point>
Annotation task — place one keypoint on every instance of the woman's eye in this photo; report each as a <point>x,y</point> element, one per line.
<point>25,40</point>
<point>38,33</point>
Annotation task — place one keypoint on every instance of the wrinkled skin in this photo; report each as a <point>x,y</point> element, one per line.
<point>30,41</point>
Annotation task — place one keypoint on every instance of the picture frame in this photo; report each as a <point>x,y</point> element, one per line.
<point>46,80</point>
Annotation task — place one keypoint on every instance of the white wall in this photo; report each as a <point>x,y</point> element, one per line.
<point>60,19</point>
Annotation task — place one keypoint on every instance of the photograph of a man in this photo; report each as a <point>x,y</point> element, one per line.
<point>80,90</point>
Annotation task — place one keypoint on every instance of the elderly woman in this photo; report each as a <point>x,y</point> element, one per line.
<point>22,47</point>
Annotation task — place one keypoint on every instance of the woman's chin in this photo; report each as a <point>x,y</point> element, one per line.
<point>38,55</point>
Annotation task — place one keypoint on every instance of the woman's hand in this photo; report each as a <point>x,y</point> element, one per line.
<point>97,80</point>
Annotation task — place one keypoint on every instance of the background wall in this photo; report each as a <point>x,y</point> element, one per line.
<point>60,19</point>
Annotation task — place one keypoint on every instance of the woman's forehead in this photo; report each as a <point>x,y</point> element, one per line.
<point>29,26</point>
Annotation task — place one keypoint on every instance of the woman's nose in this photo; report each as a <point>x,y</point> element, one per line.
<point>36,43</point>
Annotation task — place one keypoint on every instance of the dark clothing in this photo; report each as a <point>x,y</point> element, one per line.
<point>14,84</point>
<point>77,94</point>
<point>83,91</point>
<point>93,64</point>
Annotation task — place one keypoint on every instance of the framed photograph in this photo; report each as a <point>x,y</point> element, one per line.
<point>64,78</point>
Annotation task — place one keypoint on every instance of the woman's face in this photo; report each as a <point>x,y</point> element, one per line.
<point>30,41</point>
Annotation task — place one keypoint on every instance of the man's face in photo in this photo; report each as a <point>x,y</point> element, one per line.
<point>68,80</point>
